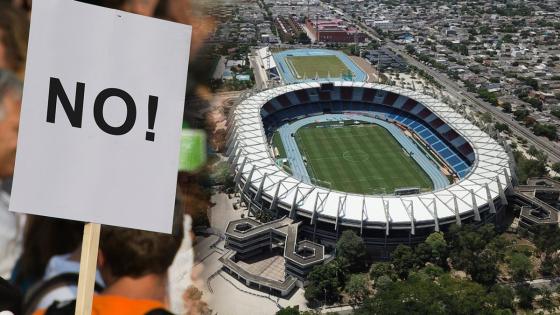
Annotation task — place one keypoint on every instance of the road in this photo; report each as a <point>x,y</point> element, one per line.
<point>550,148</point>
<point>258,70</point>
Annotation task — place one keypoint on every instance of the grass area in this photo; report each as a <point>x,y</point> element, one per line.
<point>310,66</point>
<point>363,159</point>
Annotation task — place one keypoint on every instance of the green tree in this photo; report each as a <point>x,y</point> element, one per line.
<point>357,288</point>
<point>403,260</point>
<point>438,246</point>
<point>483,268</point>
<point>527,168</point>
<point>502,127</point>
<point>546,302</point>
<point>421,294</point>
<point>547,238</point>
<point>325,283</point>
<point>503,296</point>
<point>546,130</point>
<point>551,265</point>
<point>380,269</point>
<point>416,295</point>
<point>520,114</point>
<point>351,248</point>
<point>486,117</point>
<point>290,310</point>
<point>506,107</point>
<point>526,295</point>
<point>469,252</point>
<point>520,266</point>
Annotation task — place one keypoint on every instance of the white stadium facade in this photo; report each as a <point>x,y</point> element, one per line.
<point>477,195</point>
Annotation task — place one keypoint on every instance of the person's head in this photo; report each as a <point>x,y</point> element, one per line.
<point>142,7</point>
<point>10,103</point>
<point>129,253</point>
<point>14,31</point>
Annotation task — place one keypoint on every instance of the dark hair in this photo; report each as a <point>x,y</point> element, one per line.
<point>45,237</point>
<point>136,253</point>
<point>14,31</point>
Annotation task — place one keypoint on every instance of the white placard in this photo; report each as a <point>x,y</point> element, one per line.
<point>114,161</point>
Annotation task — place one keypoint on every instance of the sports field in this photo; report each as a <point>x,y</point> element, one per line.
<point>363,159</point>
<point>322,66</point>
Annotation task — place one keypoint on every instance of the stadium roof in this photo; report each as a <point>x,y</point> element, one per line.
<point>266,56</point>
<point>487,180</point>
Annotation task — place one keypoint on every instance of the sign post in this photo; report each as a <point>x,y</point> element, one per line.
<point>100,124</point>
<point>88,264</point>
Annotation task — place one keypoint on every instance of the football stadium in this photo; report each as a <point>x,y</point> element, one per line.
<point>299,65</point>
<point>317,158</point>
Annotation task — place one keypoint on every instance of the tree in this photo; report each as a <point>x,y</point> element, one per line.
<point>506,107</point>
<point>421,294</point>
<point>403,260</point>
<point>547,238</point>
<point>520,266</point>
<point>416,295</point>
<point>303,38</point>
<point>503,296</point>
<point>546,302</point>
<point>423,253</point>
<point>438,246</point>
<point>527,168</point>
<point>290,310</point>
<point>533,150</point>
<point>547,130</point>
<point>380,269</point>
<point>520,114</point>
<point>526,295</point>
<point>469,252</point>
<point>502,127</point>
<point>351,248</point>
<point>486,117</point>
<point>325,282</point>
<point>357,288</point>
<point>551,265</point>
<point>534,102</point>
<point>483,268</point>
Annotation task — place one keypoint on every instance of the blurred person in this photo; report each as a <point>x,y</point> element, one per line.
<point>48,237</point>
<point>134,265</point>
<point>142,7</point>
<point>10,299</point>
<point>11,224</point>
<point>14,32</point>
<point>43,239</point>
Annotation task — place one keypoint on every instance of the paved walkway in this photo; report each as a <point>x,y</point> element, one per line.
<point>295,158</point>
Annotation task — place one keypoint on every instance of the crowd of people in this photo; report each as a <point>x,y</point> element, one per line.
<point>39,256</point>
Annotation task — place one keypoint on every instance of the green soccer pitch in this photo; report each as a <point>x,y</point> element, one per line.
<point>364,159</point>
<point>323,66</point>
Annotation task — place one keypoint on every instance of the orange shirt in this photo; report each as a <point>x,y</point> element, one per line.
<point>117,305</point>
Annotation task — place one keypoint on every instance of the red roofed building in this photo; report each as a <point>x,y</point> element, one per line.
<point>334,31</point>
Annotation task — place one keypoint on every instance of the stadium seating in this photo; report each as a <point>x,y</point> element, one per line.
<point>444,141</point>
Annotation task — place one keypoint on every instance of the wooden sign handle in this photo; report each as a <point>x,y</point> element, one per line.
<point>88,268</point>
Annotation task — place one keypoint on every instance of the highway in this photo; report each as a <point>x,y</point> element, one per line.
<point>550,148</point>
